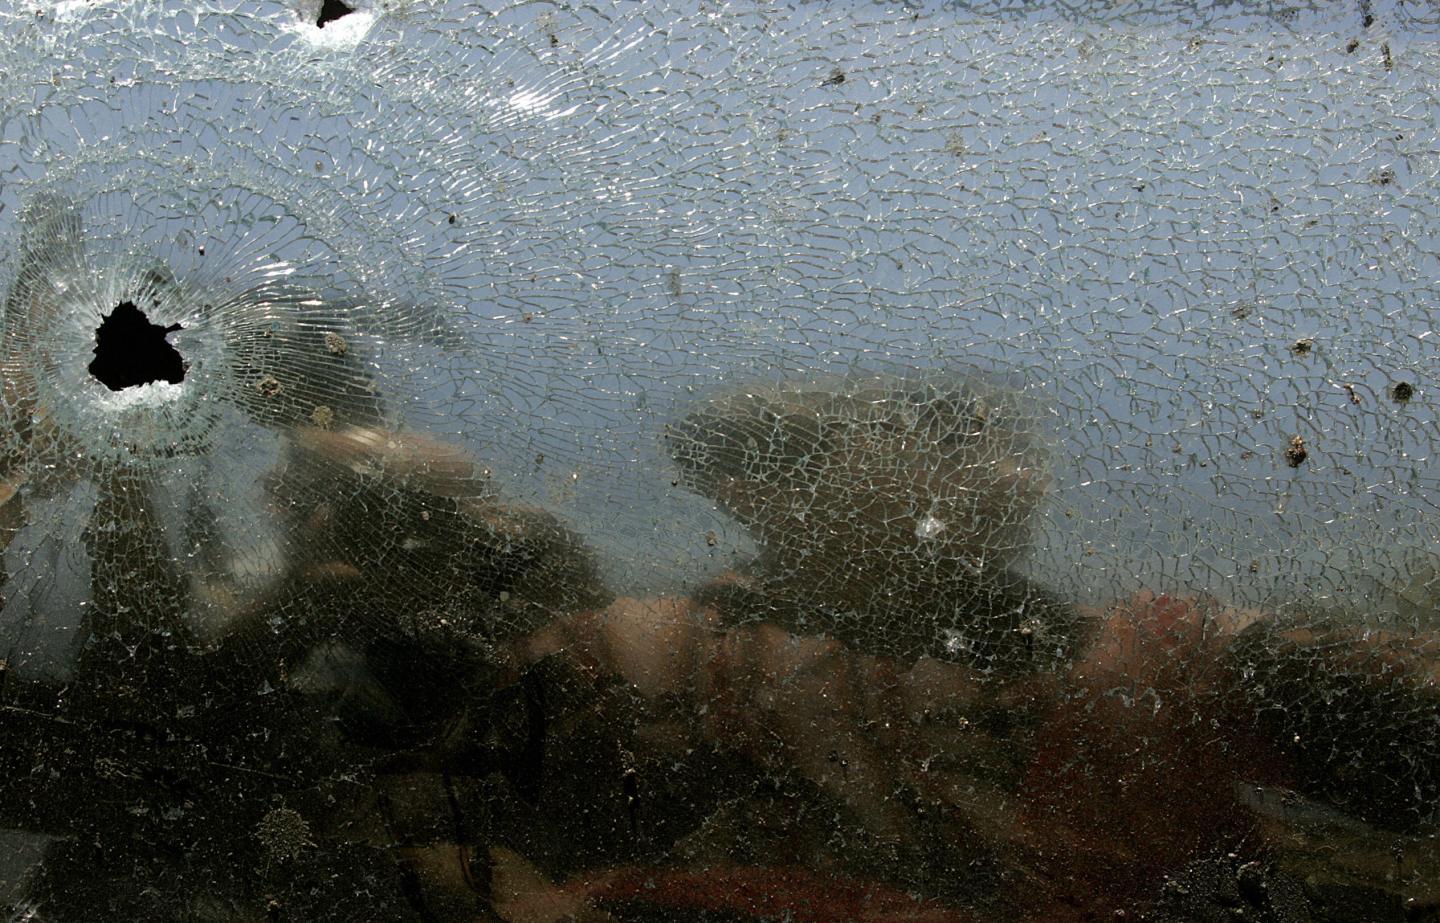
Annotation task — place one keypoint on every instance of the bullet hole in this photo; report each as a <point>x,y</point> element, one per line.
<point>269,386</point>
<point>1401,392</point>
<point>200,250</point>
<point>335,344</point>
<point>1385,57</point>
<point>1353,44</point>
<point>1295,452</point>
<point>322,416</point>
<point>837,77</point>
<point>284,834</point>
<point>130,351</point>
<point>1385,176</point>
<point>452,219</point>
<point>331,10</point>
<point>1302,347</point>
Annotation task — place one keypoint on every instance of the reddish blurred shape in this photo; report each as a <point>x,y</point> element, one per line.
<point>1134,773</point>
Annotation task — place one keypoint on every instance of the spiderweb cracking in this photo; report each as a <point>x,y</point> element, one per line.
<point>747,460</point>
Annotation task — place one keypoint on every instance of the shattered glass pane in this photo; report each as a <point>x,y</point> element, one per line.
<point>532,461</point>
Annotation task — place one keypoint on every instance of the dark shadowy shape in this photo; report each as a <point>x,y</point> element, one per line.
<point>369,699</point>
<point>1356,711</point>
<point>1228,891</point>
<point>891,513</point>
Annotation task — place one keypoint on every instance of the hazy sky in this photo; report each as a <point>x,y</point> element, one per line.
<point>1141,210</point>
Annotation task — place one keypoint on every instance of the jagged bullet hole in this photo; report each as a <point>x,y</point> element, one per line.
<point>1354,44</point>
<point>1401,392</point>
<point>836,78</point>
<point>130,351</point>
<point>269,386</point>
<point>331,10</point>
<point>1302,347</point>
